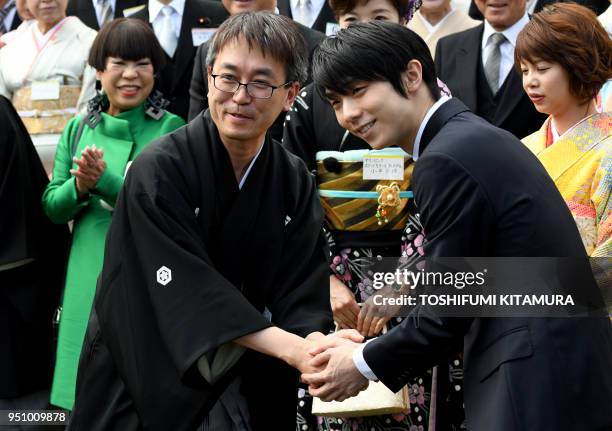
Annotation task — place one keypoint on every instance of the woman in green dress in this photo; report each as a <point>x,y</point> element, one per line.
<point>92,158</point>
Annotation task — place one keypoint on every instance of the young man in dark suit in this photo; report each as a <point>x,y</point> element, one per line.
<point>9,18</point>
<point>93,12</point>
<point>188,20</point>
<point>479,192</point>
<point>199,83</point>
<point>477,65</point>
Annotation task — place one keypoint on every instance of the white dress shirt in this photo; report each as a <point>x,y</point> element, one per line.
<point>156,17</point>
<point>358,358</point>
<point>506,48</point>
<point>97,4</point>
<point>315,9</point>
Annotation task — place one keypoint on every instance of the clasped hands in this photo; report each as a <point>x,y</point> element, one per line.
<point>328,367</point>
<point>90,168</point>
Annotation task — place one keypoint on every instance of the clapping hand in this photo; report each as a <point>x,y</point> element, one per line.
<point>90,168</point>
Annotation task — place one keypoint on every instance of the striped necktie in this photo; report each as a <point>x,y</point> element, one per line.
<point>3,13</point>
<point>493,63</point>
<point>106,13</point>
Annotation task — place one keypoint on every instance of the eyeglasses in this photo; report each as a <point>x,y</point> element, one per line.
<point>258,90</point>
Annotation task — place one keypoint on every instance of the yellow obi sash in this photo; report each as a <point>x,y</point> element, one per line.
<point>46,116</point>
<point>352,203</point>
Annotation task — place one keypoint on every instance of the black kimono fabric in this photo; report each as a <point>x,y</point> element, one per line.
<point>33,255</point>
<point>224,255</point>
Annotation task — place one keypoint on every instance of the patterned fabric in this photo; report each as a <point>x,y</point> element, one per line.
<point>580,163</point>
<point>354,213</point>
<point>352,267</point>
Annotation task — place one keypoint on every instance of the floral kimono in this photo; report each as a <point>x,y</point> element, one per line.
<point>580,163</point>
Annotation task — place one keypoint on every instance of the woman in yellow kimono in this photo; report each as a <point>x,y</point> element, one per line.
<point>563,68</point>
<point>92,158</point>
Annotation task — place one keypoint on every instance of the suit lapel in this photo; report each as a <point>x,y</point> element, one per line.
<point>284,8</point>
<point>444,113</point>
<point>325,16</point>
<point>511,96</point>
<point>185,50</point>
<point>467,62</point>
<point>88,15</point>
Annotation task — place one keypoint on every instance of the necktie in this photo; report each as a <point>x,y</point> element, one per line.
<point>3,13</point>
<point>304,12</point>
<point>167,35</point>
<point>106,13</point>
<point>491,67</point>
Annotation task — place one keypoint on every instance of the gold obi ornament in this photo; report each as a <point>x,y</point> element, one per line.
<point>354,204</point>
<point>46,116</point>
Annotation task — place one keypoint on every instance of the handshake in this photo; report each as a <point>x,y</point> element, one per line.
<point>326,364</point>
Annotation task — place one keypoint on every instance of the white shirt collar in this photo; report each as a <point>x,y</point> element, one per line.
<point>432,28</point>
<point>432,110</point>
<point>155,8</point>
<point>511,32</point>
<point>248,171</point>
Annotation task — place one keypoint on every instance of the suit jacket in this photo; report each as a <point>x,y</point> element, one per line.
<point>199,83</point>
<point>175,79</point>
<point>458,57</point>
<point>456,22</point>
<point>478,199</point>
<point>325,15</point>
<point>597,6</point>
<point>16,22</point>
<point>84,9</point>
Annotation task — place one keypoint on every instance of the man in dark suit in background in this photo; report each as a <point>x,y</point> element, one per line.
<point>315,14</point>
<point>477,65</point>
<point>535,6</point>
<point>180,26</point>
<point>96,13</point>
<point>199,83</point>
<point>479,192</point>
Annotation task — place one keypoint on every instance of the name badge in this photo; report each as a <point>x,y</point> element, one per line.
<point>331,28</point>
<point>201,35</point>
<point>383,167</point>
<point>45,90</point>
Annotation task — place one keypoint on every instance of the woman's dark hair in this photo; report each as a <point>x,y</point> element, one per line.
<point>128,39</point>
<point>373,51</point>
<point>570,35</point>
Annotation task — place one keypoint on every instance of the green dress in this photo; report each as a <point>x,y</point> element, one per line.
<point>122,137</point>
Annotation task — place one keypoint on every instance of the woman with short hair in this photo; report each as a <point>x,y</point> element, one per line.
<point>565,56</point>
<point>92,159</point>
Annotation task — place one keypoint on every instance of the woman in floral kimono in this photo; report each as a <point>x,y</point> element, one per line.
<point>563,67</point>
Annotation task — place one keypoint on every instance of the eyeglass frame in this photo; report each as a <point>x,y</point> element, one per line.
<point>246,86</point>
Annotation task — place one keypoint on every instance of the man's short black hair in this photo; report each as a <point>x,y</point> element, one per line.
<point>276,35</point>
<point>128,39</point>
<point>373,51</point>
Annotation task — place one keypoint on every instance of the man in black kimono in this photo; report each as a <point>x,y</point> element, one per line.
<point>215,247</point>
